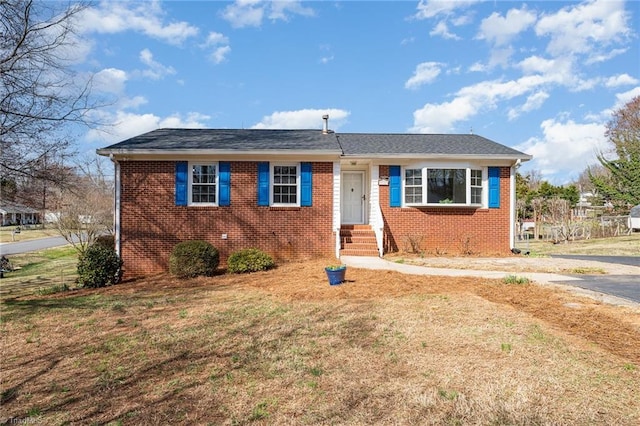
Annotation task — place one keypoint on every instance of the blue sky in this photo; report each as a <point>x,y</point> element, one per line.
<point>541,76</point>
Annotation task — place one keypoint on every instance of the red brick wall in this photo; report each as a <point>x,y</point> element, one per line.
<point>448,230</point>
<point>151,224</point>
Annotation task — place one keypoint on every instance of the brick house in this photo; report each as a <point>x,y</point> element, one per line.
<point>298,194</point>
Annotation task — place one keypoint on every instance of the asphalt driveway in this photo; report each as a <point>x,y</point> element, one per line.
<point>624,286</point>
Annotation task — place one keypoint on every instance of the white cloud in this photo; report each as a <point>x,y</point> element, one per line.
<point>146,18</point>
<point>281,8</point>
<point>220,54</point>
<point>440,118</point>
<point>215,39</point>
<point>110,80</point>
<point>425,73</point>
<point>533,102</point>
<point>623,98</point>
<point>123,125</point>
<point>565,147</point>
<point>587,28</point>
<point>303,119</point>
<point>251,13</point>
<point>469,101</point>
<point>501,30</point>
<point>441,29</point>
<point>156,70</point>
<point>429,8</point>
<point>326,59</point>
<point>220,43</point>
<point>620,80</point>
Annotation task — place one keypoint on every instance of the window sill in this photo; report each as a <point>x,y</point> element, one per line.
<point>284,208</point>
<point>445,206</point>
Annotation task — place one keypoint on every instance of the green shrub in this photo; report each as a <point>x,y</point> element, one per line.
<point>193,258</point>
<point>106,240</point>
<point>249,260</point>
<point>99,266</point>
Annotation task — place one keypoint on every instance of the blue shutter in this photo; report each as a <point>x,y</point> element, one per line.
<point>306,183</point>
<point>263,184</point>
<point>494,187</point>
<point>395,186</point>
<point>182,182</point>
<point>224,178</point>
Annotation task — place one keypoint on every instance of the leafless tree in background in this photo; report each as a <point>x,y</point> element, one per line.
<point>41,97</point>
<point>86,210</point>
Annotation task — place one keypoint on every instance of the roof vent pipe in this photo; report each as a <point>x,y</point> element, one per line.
<point>325,124</point>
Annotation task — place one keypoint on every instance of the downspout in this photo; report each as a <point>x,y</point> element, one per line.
<point>336,207</point>
<point>377,222</point>
<point>512,203</point>
<point>116,206</point>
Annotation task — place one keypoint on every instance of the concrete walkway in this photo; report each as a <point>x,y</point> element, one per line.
<point>379,263</point>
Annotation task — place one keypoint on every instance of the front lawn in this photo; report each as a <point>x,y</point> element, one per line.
<point>284,347</point>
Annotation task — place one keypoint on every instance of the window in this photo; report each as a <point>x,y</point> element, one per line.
<point>203,184</point>
<point>458,186</point>
<point>413,186</point>
<point>285,184</point>
<point>476,186</point>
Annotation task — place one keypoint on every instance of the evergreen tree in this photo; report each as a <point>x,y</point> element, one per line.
<point>622,185</point>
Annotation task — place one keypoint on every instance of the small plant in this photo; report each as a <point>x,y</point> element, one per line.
<point>194,258</point>
<point>335,267</point>
<point>249,260</point>
<point>514,279</point>
<point>506,347</point>
<point>53,289</point>
<point>413,243</point>
<point>99,266</point>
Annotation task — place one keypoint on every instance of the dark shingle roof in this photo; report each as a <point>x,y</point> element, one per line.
<point>229,140</point>
<point>298,141</point>
<point>422,144</point>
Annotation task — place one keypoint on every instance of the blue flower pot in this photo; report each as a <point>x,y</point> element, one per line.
<point>336,276</point>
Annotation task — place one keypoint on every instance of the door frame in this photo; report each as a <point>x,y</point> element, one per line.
<point>363,204</point>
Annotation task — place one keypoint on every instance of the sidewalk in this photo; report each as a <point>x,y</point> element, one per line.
<point>379,263</point>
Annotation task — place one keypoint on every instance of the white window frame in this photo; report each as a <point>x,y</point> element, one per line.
<point>468,168</point>
<point>272,184</point>
<point>217,182</point>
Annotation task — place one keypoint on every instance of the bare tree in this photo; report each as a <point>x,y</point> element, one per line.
<point>40,95</point>
<point>87,209</point>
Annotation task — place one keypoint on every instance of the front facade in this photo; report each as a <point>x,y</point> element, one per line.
<point>298,194</point>
<point>18,214</point>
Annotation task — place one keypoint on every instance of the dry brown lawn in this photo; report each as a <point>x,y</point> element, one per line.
<point>284,347</point>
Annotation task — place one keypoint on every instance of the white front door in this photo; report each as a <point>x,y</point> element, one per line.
<point>353,197</point>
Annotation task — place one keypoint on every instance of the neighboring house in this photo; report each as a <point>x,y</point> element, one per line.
<point>18,214</point>
<point>298,194</point>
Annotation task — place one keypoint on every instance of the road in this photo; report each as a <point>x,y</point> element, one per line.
<point>31,245</point>
<point>625,286</point>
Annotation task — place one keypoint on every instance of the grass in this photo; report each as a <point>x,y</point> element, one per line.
<point>626,245</point>
<point>284,347</point>
<point>29,232</point>
<point>45,271</point>
<point>514,279</point>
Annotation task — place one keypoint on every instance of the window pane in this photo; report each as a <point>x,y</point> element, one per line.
<point>446,186</point>
<point>476,195</point>
<point>413,195</point>
<point>203,194</point>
